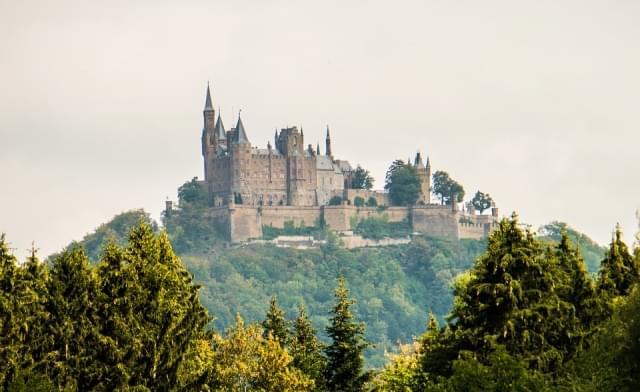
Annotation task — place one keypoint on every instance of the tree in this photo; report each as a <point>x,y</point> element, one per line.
<point>246,361</point>
<point>511,299</point>
<point>372,202</point>
<point>403,183</point>
<point>345,364</point>
<point>191,192</point>
<point>358,201</point>
<point>619,271</point>
<point>481,201</point>
<point>73,327</point>
<point>361,179</point>
<point>306,349</point>
<point>275,323</point>
<point>445,187</point>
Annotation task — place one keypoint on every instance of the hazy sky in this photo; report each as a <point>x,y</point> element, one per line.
<point>535,102</point>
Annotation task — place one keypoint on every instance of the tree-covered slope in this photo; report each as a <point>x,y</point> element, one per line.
<point>395,287</point>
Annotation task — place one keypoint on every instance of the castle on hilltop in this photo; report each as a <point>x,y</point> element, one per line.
<point>250,187</point>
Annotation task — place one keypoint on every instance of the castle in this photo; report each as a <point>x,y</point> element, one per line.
<point>250,187</point>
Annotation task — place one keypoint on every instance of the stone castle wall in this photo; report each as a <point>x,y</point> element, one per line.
<point>382,198</point>
<point>241,223</point>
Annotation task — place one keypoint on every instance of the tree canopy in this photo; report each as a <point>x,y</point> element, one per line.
<point>481,201</point>
<point>361,179</point>
<point>403,183</point>
<point>445,187</point>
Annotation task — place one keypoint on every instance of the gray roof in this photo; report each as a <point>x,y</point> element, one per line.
<point>208,105</point>
<point>219,129</point>
<point>241,135</point>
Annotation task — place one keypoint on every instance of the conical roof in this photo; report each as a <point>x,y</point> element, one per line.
<point>208,105</point>
<point>219,129</point>
<point>241,134</point>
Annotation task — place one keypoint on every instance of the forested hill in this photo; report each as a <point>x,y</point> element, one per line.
<point>395,287</point>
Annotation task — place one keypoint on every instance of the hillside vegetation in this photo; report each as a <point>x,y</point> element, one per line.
<point>395,287</point>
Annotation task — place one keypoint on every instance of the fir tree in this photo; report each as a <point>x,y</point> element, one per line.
<point>619,270</point>
<point>72,331</point>
<point>344,371</point>
<point>306,349</point>
<point>9,316</point>
<point>275,323</point>
<point>576,289</point>
<point>511,299</point>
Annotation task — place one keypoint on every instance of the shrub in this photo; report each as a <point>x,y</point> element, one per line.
<point>372,202</point>
<point>335,201</point>
<point>358,201</point>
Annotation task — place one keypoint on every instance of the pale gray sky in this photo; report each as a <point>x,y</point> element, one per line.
<point>535,102</point>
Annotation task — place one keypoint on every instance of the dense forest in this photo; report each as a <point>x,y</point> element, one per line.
<point>134,307</point>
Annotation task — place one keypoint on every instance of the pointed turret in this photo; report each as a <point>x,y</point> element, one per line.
<point>219,130</point>
<point>241,134</point>
<point>327,149</point>
<point>208,105</point>
<point>318,149</point>
<point>418,160</point>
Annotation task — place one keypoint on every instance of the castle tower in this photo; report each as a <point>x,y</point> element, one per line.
<point>327,149</point>
<point>208,141</point>
<point>240,153</point>
<point>424,172</point>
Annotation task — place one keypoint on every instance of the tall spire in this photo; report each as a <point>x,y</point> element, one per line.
<point>327,149</point>
<point>318,148</point>
<point>208,105</point>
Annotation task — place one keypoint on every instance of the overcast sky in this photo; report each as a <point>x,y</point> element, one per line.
<point>535,102</point>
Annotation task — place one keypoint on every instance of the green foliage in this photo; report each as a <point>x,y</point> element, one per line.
<point>307,350</point>
<point>445,187</point>
<point>335,201</point>
<point>361,179</point>
<point>244,360</point>
<point>345,361</point>
<point>358,201</point>
<point>403,183</point>
<point>512,299</point>
<point>193,193</point>
<point>481,201</point>
<point>275,323</point>
<point>590,250</point>
<point>372,202</point>
<point>187,225</point>
<point>130,322</point>
<point>619,271</point>
<point>379,228</point>
<point>501,373</point>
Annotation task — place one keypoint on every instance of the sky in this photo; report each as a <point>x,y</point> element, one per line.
<point>534,102</point>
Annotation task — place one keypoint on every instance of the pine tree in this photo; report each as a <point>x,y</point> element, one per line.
<point>168,318</point>
<point>275,323</point>
<point>576,289</point>
<point>10,345</point>
<point>511,299</point>
<point>619,270</point>
<point>306,349</point>
<point>72,331</point>
<point>344,371</point>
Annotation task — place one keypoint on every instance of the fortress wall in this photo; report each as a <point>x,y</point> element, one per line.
<point>436,220</point>
<point>220,218</point>
<point>339,217</point>
<point>277,216</point>
<point>472,231</point>
<point>382,198</point>
<point>244,223</point>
